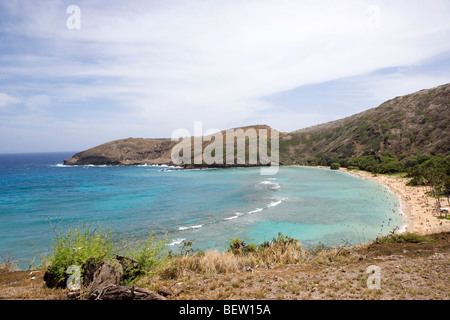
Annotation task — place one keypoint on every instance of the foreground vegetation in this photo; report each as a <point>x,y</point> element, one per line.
<point>77,245</point>
<point>412,267</point>
<point>152,260</point>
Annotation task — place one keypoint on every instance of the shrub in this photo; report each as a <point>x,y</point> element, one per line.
<point>335,166</point>
<point>81,243</point>
<point>148,254</point>
<point>75,247</point>
<point>238,246</point>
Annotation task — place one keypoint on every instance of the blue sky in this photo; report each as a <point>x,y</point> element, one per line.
<point>146,68</point>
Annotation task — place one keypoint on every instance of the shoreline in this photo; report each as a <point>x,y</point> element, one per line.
<point>415,205</point>
<point>416,208</point>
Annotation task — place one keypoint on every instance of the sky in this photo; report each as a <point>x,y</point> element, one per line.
<point>76,74</point>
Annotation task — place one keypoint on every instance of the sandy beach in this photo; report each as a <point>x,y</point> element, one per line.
<point>418,208</point>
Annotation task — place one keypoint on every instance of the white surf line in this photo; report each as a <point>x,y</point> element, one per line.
<point>190,227</point>
<point>270,185</point>
<point>233,217</point>
<point>275,203</point>
<point>176,241</point>
<point>230,218</point>
<point>255,211</point>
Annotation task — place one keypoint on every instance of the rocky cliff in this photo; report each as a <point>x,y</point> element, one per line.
<point>131,151</point>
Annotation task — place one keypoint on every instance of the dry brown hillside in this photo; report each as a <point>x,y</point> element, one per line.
<point>126,152</point>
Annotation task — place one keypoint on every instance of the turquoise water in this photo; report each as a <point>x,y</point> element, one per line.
<point>313,205</point>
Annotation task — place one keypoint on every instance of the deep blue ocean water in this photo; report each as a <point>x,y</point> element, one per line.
<point>211,207</point>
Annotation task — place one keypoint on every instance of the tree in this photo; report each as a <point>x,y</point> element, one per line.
<point>335,166</point>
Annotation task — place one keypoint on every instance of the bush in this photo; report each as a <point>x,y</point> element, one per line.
<point>81,243</point>
<point>148,254</point>
<point>75,247</point>
<point>238,246</point>
<point>335,166</point>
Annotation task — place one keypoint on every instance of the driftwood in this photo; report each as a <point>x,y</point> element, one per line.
<point>115,292</point>
<point>89,268</point>
<point>108,274</point>
<point>164,291</point>
<point>102,281</point>
<point>107,278</point>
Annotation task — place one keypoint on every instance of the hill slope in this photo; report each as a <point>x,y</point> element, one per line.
<point>412,125</point>
<point>136,151</point>
<point>415,124</point>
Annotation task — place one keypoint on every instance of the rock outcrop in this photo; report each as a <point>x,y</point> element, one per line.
<point>131,151</point>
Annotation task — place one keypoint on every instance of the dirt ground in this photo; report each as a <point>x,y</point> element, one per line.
<point>406,271</point>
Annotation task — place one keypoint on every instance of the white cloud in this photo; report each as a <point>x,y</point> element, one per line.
<point>176,62</point>
<point>6,99</point>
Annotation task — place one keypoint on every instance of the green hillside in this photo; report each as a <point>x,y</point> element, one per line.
<point>397,132</point>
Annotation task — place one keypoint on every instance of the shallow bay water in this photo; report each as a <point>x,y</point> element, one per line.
<point>315,206</point>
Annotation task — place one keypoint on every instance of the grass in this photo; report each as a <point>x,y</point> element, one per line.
<point>7,266</point>
<point>242,257</point>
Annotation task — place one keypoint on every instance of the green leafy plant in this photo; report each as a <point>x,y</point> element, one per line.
<point>76,246</point>
<point>148,254</point>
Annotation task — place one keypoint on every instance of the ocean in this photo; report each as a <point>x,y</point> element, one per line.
<point>210,207</point>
